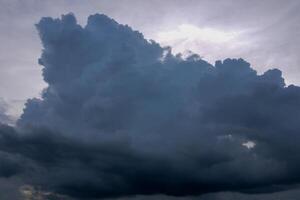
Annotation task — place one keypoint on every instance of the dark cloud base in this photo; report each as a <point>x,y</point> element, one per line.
<point>123,116</point>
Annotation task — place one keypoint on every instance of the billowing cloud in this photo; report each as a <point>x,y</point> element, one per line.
<point>123,116</point>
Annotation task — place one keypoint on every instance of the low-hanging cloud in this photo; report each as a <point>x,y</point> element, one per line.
<point>123,116</point>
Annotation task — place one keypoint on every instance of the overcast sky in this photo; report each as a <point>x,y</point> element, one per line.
<point>264,32</point>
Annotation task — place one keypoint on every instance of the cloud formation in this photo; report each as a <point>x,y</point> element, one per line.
<point>124,116</point>
<point>4,115</point>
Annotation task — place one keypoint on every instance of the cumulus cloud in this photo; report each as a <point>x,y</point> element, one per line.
<point>4,116</point>
<point>123,116</point>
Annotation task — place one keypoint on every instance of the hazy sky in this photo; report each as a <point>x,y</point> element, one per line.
<point>264,32</point>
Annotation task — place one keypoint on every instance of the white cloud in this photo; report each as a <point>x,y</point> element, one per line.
<point>249,144</point>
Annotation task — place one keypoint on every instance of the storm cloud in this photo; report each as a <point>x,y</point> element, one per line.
<point>123,116</point>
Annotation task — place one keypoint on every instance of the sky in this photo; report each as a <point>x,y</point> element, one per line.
<point>125,100</point>
<point>265,33</point>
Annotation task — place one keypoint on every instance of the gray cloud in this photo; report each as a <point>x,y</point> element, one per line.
<point>122,116</point>
<point>5,116</point>
<point>270,26</point>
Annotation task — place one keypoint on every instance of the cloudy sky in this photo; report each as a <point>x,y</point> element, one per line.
<point>129,103</point>
<point>265,33</point>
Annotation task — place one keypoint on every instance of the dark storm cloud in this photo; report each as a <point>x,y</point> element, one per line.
<point>123,116</point>
<point>269,27</point>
